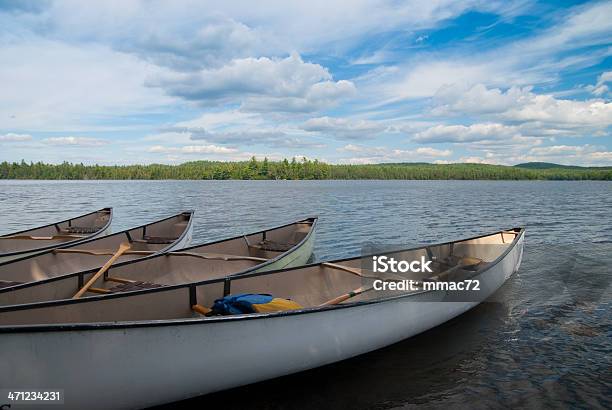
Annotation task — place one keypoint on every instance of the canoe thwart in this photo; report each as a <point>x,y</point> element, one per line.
<point>219,256</point>
<point>155,240</point>
<point>101,252</point>
<point>355,271</point>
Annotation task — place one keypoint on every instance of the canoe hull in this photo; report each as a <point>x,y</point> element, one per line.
<point>132,367</point>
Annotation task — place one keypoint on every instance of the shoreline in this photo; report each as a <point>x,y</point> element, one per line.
<point>300,170</point>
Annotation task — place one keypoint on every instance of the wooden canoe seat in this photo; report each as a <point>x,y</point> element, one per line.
<point>272,246</point>
<point>7,283</point>
<point>136,285</point>
<point>454,260</point>
<point>81,229</point>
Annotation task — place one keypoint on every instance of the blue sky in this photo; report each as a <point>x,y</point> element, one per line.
<point>121,82</point>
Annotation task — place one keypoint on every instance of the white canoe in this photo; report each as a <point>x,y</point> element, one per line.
<point>133,351</point>
<point>280,247</point>
<point>164,235</point>
<point>70,231</point>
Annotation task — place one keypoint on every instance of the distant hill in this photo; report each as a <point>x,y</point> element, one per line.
<point>550,165</point>
<point>546,165</point>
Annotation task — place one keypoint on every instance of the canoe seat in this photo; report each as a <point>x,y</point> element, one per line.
<point>8,283</point>
<point>466,261</point>
<point>272,246</point>
<point>156,240</point>
<point>136,285</point>
<point>81,229</point>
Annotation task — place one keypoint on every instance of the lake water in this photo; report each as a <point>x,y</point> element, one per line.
<point>544,340</point>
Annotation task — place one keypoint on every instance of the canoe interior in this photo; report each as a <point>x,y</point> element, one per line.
<point>310,286</point>
<point>194,264</point>
<point>75,229</point>
<point>153,237</point>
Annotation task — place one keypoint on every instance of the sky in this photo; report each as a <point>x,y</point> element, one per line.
<point>343,81</point>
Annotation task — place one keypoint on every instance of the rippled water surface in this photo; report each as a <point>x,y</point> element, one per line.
<point>544,340</point>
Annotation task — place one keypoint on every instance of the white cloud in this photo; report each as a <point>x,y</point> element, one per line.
<point>75,67</point>
<point>343,128</point>
<point>547,109</point>
<point>195,32</point>
<point>570,154</point>
<point>12,137</point>
<point>260,84</point>
<point>521,104</point>
<point>363,154</point>
<point>587,155</point>
<point>601,88</point>
<point>270,137</point>
<point>222,119</point>
<point>432,152</point>
<point>76,141</point>
<point>585,26</point>
<point>174,137</point>
<point>462,133</point>
<point>535,60</point>
<point>462,99</point>
<point>476,160</point>
<point>529,113</point>
<point>192,149</point>
<point>52,86</point>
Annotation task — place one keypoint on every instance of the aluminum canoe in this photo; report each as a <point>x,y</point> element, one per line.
<point>150,347</point>
<point>67,232</point>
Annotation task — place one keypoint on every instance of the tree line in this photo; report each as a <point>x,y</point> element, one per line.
<point>303,169</point>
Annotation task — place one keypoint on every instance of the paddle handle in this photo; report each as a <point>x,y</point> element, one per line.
<point>201,309</point>
<point>122,248</point>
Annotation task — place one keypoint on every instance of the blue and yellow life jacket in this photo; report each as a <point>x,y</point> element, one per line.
<point>251,303</point>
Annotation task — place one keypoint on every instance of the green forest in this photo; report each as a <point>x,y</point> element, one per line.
<point>301,169</point>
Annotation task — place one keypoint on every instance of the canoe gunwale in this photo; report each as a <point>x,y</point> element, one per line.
<point>216,319</point>
<point>93,235</point>
<point>163,252</point>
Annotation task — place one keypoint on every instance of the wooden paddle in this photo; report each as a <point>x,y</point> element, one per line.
<point>203,310</point>
<point>346,296</point>
<point>122,248</point>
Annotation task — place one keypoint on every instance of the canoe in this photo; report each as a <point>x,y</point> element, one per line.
<point>30,241</point>
<point>167,234</point>
<point>132,344</point>
<point>284,246</point>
